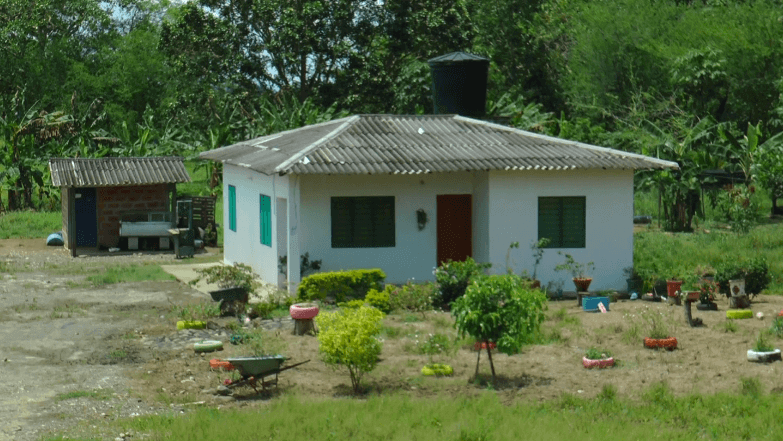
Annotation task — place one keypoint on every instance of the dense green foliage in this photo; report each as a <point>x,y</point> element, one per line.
<point>453,279</point>
<point>500,309</point>
<point>348,338</point>
<point>698,83</point>
<point>340,285</point>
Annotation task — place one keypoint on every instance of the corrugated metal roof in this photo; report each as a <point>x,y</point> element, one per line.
<point>456,57</point>
<point>377,144</point>
<point>109,172</point>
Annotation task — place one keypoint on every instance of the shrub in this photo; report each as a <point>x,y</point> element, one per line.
<point>755,271</point>
<point>228,276</point>
<point>501,309</point>
<point>348,338</point>
<point>453,278</point>
<point>340,284</point>
<point>378,299</point>
<point>412,296</point>
<point>352,304</point>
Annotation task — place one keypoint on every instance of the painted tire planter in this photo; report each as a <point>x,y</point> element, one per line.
<point>437,369</point>
<point>669,343</point>
<point>602,363</point>
<point>762,357</point>
<point>479,345</point>
<point>221,364</point>
<point>191,324</point>
<point>208,345</point>
<point>739,314</point>
<point>303,311</point>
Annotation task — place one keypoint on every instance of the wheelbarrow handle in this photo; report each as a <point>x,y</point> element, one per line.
<point>293,366</point>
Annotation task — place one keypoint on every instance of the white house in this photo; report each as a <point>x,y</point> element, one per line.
<point>403,193</point>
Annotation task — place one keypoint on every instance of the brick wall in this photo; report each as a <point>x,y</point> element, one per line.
<point>114,202</point>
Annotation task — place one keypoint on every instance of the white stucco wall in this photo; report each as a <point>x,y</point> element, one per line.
<point>608,195</point>
<point>244,245</point>
<point>414,255</point>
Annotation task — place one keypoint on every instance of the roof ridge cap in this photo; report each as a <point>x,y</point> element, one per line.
<point>285,165</point>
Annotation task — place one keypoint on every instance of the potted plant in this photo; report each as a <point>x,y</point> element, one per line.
<point>707,290</point>
<point>763,350</point>
<point>705,272</point>
<point>235,283</point>
<point>657,332</point>
<point>597,358</point>
<point>578,271</point>
<point>538,247</point>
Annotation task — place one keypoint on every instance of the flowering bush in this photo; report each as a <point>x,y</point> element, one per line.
<point>413,297</point>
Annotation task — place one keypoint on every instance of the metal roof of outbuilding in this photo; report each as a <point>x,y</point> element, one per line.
<point>456,57</point>
<point>112,172</point>
<point>399,144</point>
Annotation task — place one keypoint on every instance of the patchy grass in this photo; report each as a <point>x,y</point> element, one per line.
<point>98,394</point>
<point>130,273</point>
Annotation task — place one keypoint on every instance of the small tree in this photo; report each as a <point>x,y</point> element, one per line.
<point>500,309</point>
<point>348,338</point>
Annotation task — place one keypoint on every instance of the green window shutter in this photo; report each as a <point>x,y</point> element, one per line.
<point>232,208</point>
<point>549,215</point>
<point>562,220</point>
<point>363,222</point>
<point>573,222</point>
<point>265,219</point>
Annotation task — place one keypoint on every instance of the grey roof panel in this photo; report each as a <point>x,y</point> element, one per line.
<point>110,172</point>
<point>372,144</point>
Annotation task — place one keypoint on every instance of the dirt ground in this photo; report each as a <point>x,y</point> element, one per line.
<point>119,346</point>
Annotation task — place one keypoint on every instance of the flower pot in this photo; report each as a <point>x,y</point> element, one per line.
<point>582,283</point>
<point>602,363</point>
<point>709,306</point>
<point>692,296</point>
<point>672,286</point>
<point>669,343</point>
<point>536,284</point>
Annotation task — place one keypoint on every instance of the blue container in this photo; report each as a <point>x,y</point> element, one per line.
<point>55,240</point>
<point>590,304</point>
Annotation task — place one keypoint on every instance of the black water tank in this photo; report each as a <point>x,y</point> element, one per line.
<point>459,84</point>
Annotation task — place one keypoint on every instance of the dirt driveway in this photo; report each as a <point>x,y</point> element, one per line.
<point>60,335</point>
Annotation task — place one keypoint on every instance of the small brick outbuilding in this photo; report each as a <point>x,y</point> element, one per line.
<point>98,192</point>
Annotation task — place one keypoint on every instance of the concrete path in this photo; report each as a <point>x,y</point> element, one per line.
<point>185,273</point>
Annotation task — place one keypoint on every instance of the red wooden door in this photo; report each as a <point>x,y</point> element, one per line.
<point>454,227</point>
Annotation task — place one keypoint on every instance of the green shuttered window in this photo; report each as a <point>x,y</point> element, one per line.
<point>363,222</point>
<point>266,220</point>
<point>562,220</point>
<point>232,208</point>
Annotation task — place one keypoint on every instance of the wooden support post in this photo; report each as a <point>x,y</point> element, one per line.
<point>304,326</point>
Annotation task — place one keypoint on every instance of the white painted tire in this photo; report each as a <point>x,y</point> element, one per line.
<point>208,345</point>
<point>303,311</point>
<point>762,357</point>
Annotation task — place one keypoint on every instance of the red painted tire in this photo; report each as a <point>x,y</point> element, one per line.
<point>220,364</point>
<point>483,345</point>
<point>604,363</point>
<point>303,311</point>
<point>669,343</point>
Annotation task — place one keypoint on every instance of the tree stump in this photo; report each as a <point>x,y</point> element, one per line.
<point>304,326</point>
<point>688,317</point>
<point>739,302</point>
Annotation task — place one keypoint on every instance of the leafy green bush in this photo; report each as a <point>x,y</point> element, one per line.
<point>414,297</point>
<point>228,276</point>
<point>340,284</point>
<point>378,299</point>
<point>352,304</point>
<point>277,301</point>
<point>348,338</point>
<point>755,271</point>
<point>198,311</point>
<point>739,207</point>
<point>453,278</point>
<point>501,309</point>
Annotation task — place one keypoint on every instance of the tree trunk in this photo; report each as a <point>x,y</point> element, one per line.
<point>304,326</point>
<point>491,365</point>
<point>477,362</point>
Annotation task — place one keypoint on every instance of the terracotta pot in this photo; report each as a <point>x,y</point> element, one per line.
<point>692,296</point>
<point>582,283</point>
<point>536,284</point>
<point>672,286</point>
<point>669,343</point>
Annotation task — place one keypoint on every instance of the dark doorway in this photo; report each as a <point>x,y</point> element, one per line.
<point>454,227</point>
<point>86,217</point>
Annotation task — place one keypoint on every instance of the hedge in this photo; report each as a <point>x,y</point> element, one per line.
<point>340,284</point>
